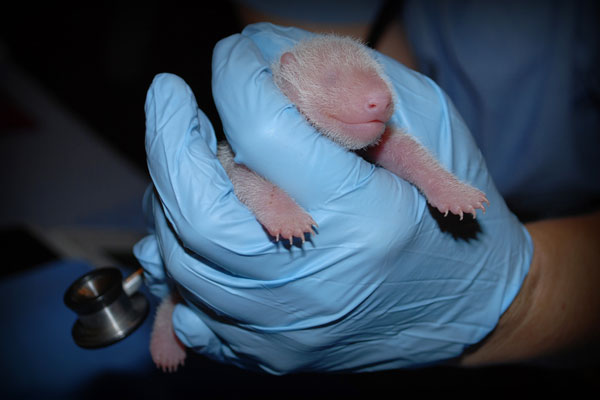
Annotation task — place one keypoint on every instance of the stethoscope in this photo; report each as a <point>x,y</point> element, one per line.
<point>109,308</point>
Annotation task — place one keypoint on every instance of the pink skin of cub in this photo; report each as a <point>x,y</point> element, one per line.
<point>343,92</point>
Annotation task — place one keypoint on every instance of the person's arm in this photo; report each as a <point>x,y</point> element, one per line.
<point>556,316</point>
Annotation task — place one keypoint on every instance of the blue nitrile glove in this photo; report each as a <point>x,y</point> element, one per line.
<point>380,285</point>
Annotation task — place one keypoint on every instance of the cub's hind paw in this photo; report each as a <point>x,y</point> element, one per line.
<point>168,356</point>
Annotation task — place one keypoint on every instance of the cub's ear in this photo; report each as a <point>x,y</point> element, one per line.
<point>287,58</point>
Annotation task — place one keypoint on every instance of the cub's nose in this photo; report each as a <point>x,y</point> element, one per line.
<point>378,105</point>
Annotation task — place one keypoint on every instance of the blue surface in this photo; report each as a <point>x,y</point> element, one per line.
<point>39,356</point>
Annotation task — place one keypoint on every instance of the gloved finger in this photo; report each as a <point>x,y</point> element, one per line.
<point>196,330</point>
<point>272,40</point>
<point>268,133</point>
<point>194,190</point>
<point>219,340</point>
<point>195,334</point>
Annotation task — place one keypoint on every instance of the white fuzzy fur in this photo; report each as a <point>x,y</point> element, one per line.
<point>322,55</point>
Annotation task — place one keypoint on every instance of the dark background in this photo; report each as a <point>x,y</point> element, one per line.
<point>99,59</point>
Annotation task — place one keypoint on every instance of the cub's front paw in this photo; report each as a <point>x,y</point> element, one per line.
<point>459,199</point>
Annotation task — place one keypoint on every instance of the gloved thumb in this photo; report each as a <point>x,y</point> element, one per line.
<point>147,253</point>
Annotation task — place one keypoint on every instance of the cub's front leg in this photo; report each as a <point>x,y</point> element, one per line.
<point>403,155</point>
<point>278,213</point>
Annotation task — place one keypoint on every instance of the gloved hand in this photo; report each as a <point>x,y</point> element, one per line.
<point>380,285</point>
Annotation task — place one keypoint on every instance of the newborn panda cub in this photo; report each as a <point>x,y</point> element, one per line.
<point>342,90</point>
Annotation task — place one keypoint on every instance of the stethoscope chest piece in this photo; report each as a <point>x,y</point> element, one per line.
<point>106,312</point>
